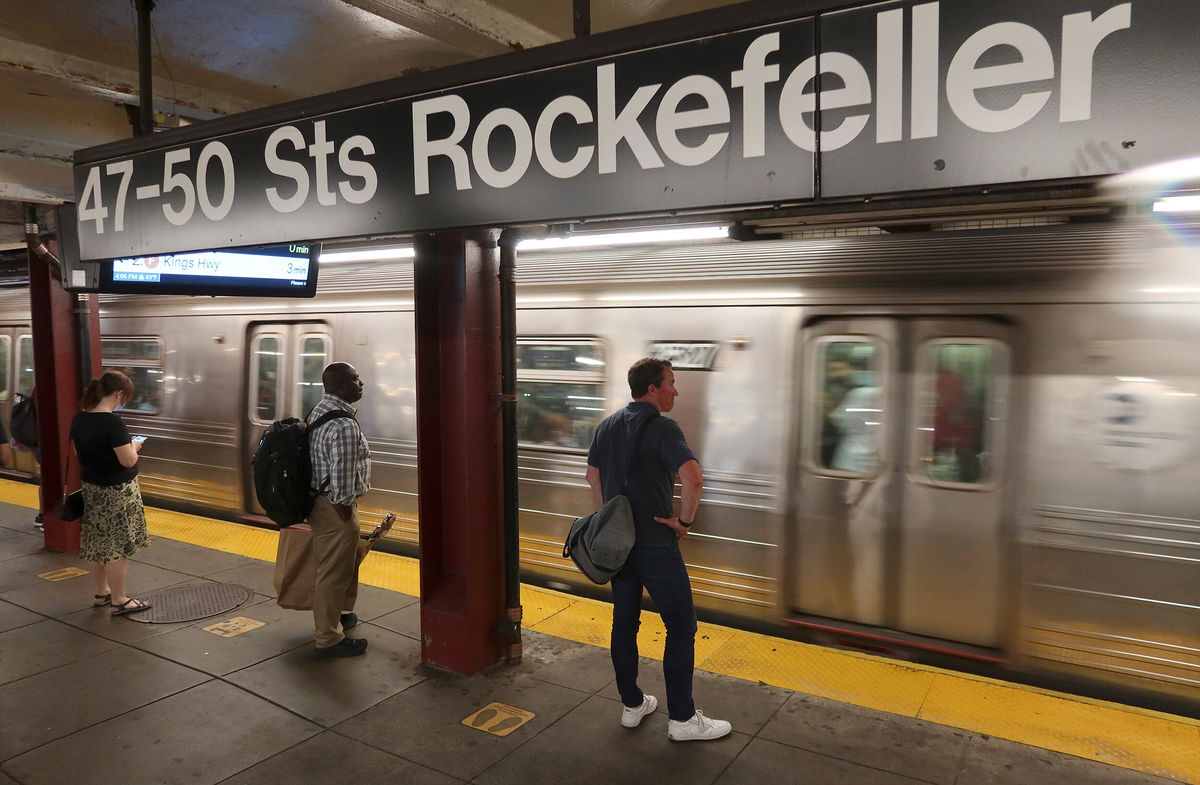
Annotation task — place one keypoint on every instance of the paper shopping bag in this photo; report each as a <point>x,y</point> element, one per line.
<point>296,569</point>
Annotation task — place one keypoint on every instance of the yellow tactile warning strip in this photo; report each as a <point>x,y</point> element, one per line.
<point>1155,743</point>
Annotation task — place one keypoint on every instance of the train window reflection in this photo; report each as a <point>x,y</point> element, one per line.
<point>560,391</point>
<point>314,356</point>
<point>141,360</point>
<point>25,365</point>
<point>543,356</point>
<point>958,380</point>
<point>5,351</point>
<point>850,404</point>
<point>266,356</point>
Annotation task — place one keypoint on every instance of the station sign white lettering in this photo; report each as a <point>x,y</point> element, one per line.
<point>901,96</point>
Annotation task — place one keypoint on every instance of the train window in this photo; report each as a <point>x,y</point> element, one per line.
<point>141,359</point>
<point>5,351</point>
<point>560,391</point>
<point>849,404</point>
<point>314,356</point>
<point>956,399</point>
<point>265,358</point>
<point>25,364</point>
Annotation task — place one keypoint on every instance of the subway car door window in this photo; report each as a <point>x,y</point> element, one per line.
<point>5,353</point>
<point>850,405</point>
<point>959,400</point>
<point>266,361</point>
<point>25,364</point>
<point>314,356</point>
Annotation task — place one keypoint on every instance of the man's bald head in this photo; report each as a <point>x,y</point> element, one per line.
<point>342,380</point>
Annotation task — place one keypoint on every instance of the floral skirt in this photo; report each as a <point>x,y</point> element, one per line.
<point>114,522</point>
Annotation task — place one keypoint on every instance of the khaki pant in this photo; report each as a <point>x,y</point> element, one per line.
<point>335,551</point>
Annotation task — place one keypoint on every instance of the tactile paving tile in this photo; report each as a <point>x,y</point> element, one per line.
<point>188,603</point>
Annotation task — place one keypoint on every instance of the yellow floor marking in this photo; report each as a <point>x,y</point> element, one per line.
<point>1148,741</point>
<point>21,493</point>
<point>63,574</point>
<point>235,626</point>
<point>499,719</point>
<point>1110,734</point>
<point>849,677</point>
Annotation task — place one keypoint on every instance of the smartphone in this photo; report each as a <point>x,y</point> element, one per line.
<point>138,439</point>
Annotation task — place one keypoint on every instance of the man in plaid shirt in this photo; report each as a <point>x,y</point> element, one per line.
<point>341,472</point>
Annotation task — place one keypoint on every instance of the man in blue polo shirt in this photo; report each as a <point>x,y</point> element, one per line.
<point>655,562</point>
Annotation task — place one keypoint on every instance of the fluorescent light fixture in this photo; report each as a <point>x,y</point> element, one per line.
<point>686,296</point>
<point>626,238</point>
<point>369,254</point>
<point>1177,204</point>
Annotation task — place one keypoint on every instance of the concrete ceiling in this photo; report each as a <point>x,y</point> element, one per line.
<point>68,68</point>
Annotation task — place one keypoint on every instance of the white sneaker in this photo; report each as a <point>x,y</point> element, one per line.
<point>631,718</point>
<point>698,728</point>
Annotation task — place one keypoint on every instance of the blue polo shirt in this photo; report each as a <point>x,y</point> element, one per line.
<point>650,492</point>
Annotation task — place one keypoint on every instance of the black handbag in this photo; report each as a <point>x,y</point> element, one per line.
<point>72,506</point>
<point>72,503</point>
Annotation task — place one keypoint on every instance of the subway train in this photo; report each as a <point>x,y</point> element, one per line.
<point>980,443</point>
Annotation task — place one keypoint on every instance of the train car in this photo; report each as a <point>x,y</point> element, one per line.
<point>979,442</point>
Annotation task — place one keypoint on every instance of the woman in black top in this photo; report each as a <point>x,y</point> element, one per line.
<point>114,521</point>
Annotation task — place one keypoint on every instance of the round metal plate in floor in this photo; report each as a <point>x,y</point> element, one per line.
<point>188,603</point>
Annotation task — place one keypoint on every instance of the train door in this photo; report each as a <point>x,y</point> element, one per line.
<point>16,376</point>
<point>902,475</point>
<point>283,380</point>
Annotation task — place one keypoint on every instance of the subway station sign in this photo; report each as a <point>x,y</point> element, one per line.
<point>899,96</point>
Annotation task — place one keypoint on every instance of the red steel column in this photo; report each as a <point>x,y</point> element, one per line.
<point>57,360</point>
<point>459,441</point>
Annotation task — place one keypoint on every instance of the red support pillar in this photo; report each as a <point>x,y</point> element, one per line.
<point>460,465</point>
<point>57,359</point>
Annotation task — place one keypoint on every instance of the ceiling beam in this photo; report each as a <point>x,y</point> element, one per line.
<point>35,181</point>
<point>115,83</point>
<point>472,26</point>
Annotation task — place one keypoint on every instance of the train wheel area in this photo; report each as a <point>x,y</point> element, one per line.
<point>239,698</point>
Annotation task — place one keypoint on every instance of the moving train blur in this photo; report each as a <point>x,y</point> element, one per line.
<point>979,442</point>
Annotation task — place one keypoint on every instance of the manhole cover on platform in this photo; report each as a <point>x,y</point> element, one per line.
<point>188,603</point>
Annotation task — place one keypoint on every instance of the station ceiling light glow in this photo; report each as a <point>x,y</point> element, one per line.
<point>370,254</point>
<point>1177,204</point>
<point>626,238</point>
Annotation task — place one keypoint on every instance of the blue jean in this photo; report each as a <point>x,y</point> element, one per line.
<point>662,572</point>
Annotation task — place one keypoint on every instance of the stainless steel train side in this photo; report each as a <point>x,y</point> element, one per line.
<point>984,439</point>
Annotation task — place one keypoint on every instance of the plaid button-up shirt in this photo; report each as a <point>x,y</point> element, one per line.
<point>341,460</point>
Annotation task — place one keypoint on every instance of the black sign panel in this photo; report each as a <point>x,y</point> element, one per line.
<point>912,95</point>
<point>951,93</point>
<point>675,127</point>
<point>262,271</point>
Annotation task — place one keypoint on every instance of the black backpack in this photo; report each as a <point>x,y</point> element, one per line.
<point>24,422</point>
<point>283,470</point>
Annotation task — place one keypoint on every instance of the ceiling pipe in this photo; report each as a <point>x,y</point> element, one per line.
<point>145,123</point>
<point>583,18</point>
<point>34,241</point>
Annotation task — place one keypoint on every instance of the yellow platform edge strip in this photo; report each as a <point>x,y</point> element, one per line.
<point>1160,744</point>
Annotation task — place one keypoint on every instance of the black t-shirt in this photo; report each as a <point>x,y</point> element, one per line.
<point>95,434</point>
<point>650,492</point>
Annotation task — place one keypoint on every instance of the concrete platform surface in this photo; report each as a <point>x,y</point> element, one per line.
<point>87,698</point>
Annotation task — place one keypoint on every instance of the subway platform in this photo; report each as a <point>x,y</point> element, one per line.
<point>239,698</point>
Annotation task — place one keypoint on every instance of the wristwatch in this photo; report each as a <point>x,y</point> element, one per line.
<point>685,524</point>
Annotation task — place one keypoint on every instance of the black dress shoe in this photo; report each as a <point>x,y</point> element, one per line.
<point>349,620</point>
<point>346,647</point>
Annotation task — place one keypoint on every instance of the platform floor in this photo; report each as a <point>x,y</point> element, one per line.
<point>85,698</point>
